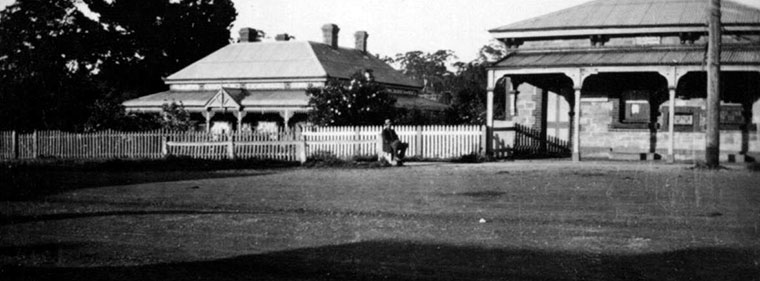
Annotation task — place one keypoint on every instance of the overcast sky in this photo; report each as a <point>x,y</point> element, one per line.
<point>396,26</point>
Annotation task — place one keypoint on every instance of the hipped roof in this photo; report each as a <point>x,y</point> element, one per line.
<point>288,60</point>
<point>635,14</point>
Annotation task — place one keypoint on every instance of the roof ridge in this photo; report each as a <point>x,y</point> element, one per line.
<point>315,57</point>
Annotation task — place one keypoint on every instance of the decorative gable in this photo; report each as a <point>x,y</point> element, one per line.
<point>224,100</point>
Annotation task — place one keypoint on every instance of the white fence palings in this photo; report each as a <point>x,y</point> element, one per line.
<point>434,142</point>
<point>431,142</point>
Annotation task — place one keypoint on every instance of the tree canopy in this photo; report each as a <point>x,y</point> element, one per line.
<point>57,63</point>
<point>462,83</point>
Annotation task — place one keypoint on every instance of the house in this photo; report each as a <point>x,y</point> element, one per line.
<point>627,78</point>
<point>254,84</point>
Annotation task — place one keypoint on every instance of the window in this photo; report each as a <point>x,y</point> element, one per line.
<point>635,107</point>
<point>636,111</point>
<point>632,111</point>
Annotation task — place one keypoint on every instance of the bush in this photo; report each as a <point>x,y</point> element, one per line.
<point>470,158</point>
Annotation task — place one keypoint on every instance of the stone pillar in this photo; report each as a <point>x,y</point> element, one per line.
<point>577,125</point>
<point>671,123</point>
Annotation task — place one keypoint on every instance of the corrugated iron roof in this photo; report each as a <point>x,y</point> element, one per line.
<point>730,55</point>
<point>288,59</point>
<point>276,98</point>
<point>635,13</point>
<point>187,98</point>
<point>343,62</point>
<point>285,59</point>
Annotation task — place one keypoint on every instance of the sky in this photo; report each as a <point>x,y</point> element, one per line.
<point>395,26</point>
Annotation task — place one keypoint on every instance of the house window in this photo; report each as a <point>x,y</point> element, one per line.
<point>684,119</point>
<point>632,111</point>
<point>636,111</point>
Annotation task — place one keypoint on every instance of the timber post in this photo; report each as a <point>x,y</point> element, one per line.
<point>164,147</point>
<point>34,145</point>
<point>712,137</point>
<point>301,151</point>
<point>418,142</point>
<point>14,144</point>
<point>230,147</point>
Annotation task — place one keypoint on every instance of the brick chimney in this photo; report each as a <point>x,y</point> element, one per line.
<point>248,34</point>
<point>330,33</point>
<point>361,40</point>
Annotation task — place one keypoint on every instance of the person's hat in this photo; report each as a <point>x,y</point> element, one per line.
<point>387,121</point>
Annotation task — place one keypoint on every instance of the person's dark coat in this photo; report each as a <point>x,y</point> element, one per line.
<point>389,136</point>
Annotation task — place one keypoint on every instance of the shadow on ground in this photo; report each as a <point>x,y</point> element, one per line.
<point>10,220</point>
<point>394,260</point>
<point>31,184</point>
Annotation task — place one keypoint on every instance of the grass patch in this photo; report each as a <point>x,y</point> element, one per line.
<point>329,160</point>
<point>755,167</point>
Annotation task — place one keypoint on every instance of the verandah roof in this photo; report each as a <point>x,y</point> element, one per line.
<point>731,55</point>
<point>260,98</point>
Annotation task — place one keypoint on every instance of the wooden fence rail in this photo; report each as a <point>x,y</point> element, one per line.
<point>425,142</point>
<point>530,141</point>
<point>428,142</point>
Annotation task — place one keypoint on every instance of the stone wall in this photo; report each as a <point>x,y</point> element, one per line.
<point>600,138</point>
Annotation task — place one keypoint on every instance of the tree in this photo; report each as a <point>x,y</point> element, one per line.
<point>151,39</point>
<point>46,62</point>
<point>430,68</point>
<point>360,101</point>
<point>467,84</point>
<point>56,62</point>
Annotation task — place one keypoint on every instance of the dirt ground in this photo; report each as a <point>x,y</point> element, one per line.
<point>522,220</point>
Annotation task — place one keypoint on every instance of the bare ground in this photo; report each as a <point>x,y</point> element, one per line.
<point>524,220</point>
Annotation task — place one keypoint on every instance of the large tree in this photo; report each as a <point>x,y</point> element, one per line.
<point>46,65</point>
<point>466,84</point>
<point>429,68</point>
<point>58,64</point>
<point>151,39</point>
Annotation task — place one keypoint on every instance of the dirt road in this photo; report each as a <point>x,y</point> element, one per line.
<point>524,220</point>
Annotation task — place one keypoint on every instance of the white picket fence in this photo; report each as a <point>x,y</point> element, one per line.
<point>426,142</point>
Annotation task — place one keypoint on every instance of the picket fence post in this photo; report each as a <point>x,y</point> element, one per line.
<point>164,147</point>
<point>301,151</point>
<point>14,144</point>
<point>231,148</point>
<point>484,141</point>
<point>418,142</point>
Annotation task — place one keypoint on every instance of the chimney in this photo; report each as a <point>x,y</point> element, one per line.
<point>330,33</point>
<point>361,40</point>
<point>282,37</point>
<point>248,34</point>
